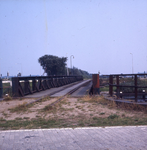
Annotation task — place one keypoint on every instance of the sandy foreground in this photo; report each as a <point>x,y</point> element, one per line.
<point>67,108</point>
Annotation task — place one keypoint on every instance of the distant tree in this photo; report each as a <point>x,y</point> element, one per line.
<point>80,72</point>
<point>53,65</point>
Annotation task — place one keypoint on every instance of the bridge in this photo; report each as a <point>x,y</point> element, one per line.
<point>131,86</point>
<point>75,89</point>
<point>41,86</point>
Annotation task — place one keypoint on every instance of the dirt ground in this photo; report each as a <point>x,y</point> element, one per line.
<point>67,108</point>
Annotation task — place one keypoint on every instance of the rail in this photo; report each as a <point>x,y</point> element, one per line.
<point>137,90</point>
<point>22,86</point>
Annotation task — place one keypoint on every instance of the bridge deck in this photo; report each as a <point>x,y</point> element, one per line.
<point>62,90</point>
<point>65,91</point>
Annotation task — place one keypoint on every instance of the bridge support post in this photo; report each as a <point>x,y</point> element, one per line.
<point>96,84</point>
<point>15,86</point>
<point>117,86</point>
<point>136,93</point>
<point>111,85</point>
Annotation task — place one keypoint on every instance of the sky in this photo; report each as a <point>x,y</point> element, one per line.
<point>106,36</point>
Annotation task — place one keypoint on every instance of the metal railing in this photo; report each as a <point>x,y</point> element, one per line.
<point>22,86</point>
<point>128,85</point>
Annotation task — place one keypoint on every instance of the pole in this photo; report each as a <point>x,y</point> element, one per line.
<point>71,61</point>
<point>67,65</point>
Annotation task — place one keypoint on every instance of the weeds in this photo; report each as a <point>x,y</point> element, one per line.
<point>112,104</point>
<point>83,115</point>
<point>20,108</point>
<point>113,116</point>
<point>102,113</point>
<point>47,108</point>
<point>45,99</point>
<point>7,97</point>
<point>18,118</point>
<point>132,107</point>
<point>123,115</point>
<point>5,114</point>
<point>2,119</point>
<point>26,118</point>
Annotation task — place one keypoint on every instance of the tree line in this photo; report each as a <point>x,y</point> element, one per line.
<point>54,65</point>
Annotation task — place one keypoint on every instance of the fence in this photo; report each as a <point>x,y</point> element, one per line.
<point>131,85</point>
<point>22,86</point>
<point>104,83</point>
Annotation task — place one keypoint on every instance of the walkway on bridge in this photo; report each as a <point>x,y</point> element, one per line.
<point>63,90</point>
<point>95,138</point>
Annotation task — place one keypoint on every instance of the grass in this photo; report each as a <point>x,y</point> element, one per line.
<point>124,81</point>
<point>7,89</point>
<point>45,99</point>
<point>105,88</point>
<point>27,124</point>
<point>8,98</point>
<point>60,116</point>
<point>5,114</point>
<point>23,108</point>
<point>113,116</point>
<point>112,104</point>
<point>20,108</point>
<point>47,108</point>
<point>102,113</point>
<point>112,120</point>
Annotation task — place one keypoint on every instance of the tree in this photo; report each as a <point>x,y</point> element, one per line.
<point>53,65</point>
<point>80,72</point>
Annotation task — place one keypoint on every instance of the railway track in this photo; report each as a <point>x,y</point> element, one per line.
<point>72,89</point>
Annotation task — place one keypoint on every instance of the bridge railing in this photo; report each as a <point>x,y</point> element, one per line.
<point>22,86</point>
<point>130,85</point>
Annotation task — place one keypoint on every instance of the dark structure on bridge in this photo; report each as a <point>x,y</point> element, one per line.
<point>22,86</point>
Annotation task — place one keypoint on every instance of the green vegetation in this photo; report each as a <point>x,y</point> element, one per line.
<point>124,81</point>
<point>47,108</point>
<point>112,120</point>
<point>20,108</point>
<point>88,111</point>
<point>104,88</point>
<point>7,89</point>
<point>79,72</point>
<point>27,124</point>
<point>54,65</point>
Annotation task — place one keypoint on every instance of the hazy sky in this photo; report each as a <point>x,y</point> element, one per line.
<point>100,34</point>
